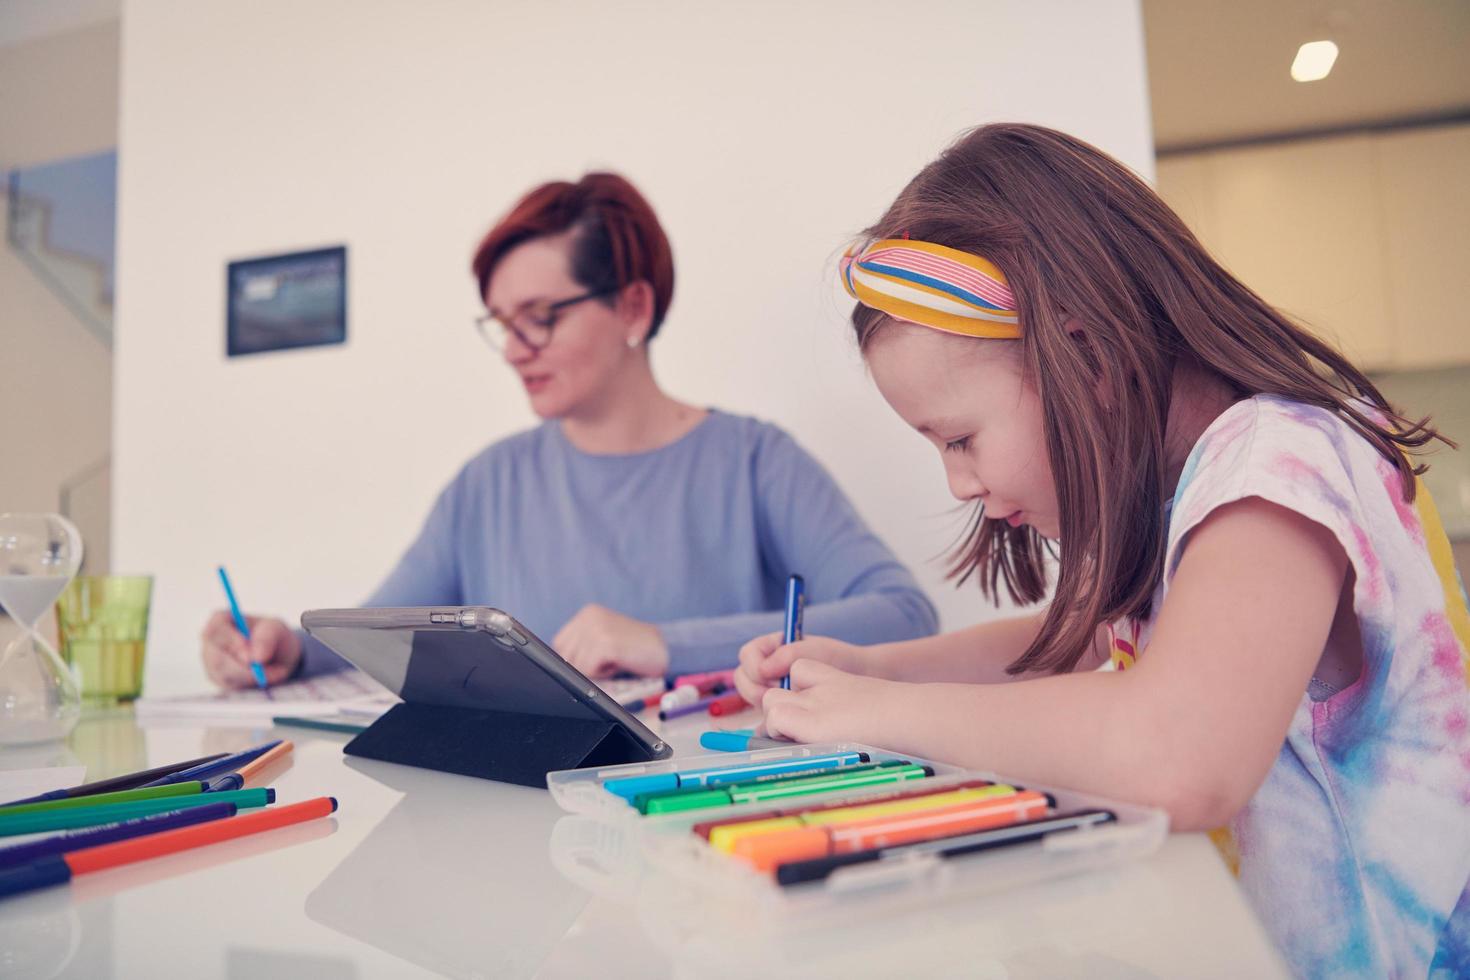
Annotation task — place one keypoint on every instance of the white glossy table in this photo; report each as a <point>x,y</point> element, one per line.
<point>421,873</point>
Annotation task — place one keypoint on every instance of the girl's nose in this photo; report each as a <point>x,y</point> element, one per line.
<point>964,485</point>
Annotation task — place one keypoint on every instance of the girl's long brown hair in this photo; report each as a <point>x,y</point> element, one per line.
<point>1080,238</point>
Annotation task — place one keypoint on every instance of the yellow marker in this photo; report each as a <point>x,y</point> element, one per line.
<point>723,838</point>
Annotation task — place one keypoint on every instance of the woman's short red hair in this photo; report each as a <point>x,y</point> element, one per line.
<point>619,239</point>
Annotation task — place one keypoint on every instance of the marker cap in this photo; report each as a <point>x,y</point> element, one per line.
<point>47,871</point>
<point>632,786</point>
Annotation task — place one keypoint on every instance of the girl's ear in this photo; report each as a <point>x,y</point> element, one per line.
<point>634,306</point>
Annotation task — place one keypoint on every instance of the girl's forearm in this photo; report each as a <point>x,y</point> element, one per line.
<point>1092,732</point>
<point>976,655</point>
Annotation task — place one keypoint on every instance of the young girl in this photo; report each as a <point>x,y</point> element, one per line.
<point>1236,526</point>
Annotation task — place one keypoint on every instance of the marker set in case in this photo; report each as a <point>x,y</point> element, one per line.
<point>835,826</point>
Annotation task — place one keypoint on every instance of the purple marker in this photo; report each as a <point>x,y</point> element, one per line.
<point>23,854</point>
<point>678,711</point>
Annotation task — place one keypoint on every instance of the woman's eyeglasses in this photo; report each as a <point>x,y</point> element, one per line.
<point>533,323</point>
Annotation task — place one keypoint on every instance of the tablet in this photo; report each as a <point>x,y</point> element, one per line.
<point>470,657</point>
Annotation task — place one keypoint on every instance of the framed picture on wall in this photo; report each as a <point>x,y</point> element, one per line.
<point>283,301</point>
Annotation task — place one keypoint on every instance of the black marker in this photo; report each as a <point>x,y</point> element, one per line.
<point>816,869</point>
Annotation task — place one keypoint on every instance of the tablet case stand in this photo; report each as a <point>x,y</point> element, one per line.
<point>510,747</point>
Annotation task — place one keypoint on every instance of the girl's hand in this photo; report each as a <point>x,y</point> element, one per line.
<point>827,704</point>
<point>765,660</point>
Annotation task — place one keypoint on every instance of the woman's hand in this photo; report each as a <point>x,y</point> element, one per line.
<point>827,704</point>
<point>601,643</point>
<point>766,659</point>
<point>227,654</point>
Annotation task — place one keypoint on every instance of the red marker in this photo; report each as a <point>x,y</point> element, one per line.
<point>728,705</point>
<point>63,867</point>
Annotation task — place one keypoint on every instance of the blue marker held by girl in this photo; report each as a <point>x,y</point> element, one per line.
<point>795,605</point>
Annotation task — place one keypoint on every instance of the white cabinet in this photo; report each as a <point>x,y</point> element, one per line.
<point>1184,182</point>
<point>1425,180</point>
<point>1362,239</point>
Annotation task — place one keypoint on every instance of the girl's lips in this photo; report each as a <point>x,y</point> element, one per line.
<point>1014,520</point>
<point>535,382</point>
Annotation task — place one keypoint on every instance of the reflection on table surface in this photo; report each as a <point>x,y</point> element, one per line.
<point>429,883</point>
<point>426,873</point>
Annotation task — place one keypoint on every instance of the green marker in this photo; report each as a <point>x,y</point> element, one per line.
<point>346,728</point>
<point>727,796</point>
<point>897,774</point>
<point>697,799</point>
<point>91,816</point>
<point>121,796</point>
<point>643,799</point>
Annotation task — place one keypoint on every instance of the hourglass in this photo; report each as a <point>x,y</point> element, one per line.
<point>39,556</point>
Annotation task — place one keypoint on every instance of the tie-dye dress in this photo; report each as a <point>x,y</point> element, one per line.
<point>1355,851</point>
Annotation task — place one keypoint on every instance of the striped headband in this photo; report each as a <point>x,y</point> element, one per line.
<point>933,286</point>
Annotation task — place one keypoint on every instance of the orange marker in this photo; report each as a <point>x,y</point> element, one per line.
<point>767,851</point>
<point>56,869</point>
<point>172,841</point>
<point>836,803</point>
<point>261,761</point>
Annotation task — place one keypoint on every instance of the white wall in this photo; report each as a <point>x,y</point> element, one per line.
<point>764,133</point>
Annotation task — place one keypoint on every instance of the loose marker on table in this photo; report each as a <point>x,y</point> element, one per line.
<point>739,741</point>
<point>795,606</point>
<point>228,763</point>
<point>130,780</point>
<point>240,624</point>
<point>58,868</point>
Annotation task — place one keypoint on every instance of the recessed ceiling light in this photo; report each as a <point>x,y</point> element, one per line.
<point>1313,61</point>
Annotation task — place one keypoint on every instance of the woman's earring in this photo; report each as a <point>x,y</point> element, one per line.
<point>632,342</point>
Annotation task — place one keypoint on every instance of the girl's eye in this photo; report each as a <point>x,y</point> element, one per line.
<point>957,445</point>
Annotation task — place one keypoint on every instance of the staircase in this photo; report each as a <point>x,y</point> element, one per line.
<point>76,265</point>
<point>60,220</point>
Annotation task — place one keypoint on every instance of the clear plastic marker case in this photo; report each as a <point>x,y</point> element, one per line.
<point>609,839</point>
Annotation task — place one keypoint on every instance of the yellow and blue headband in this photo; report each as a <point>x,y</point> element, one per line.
<point>933,286</point>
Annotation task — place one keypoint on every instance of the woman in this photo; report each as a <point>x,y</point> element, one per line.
<point>643,534</point>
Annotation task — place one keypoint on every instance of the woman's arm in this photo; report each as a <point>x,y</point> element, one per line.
<point>713,642</point>
<point>857,591</point>
<point>426,575</point>
<point>1193,727</point>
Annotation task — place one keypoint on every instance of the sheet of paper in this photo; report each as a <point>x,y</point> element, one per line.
<point>324,695</point>
<point>19,784</point>
<point>348,695</point>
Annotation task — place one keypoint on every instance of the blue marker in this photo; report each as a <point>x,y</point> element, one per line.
<point>240,625</point>
<point>21,855</point>
<point>739,740</point>
<point>795,606</point>
<point>227,764</point>
<point>630,786</point>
